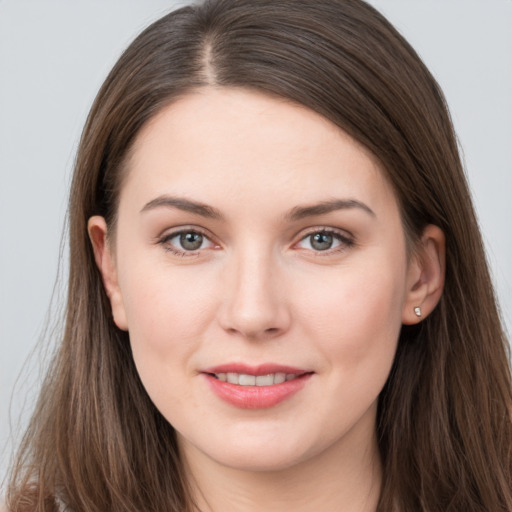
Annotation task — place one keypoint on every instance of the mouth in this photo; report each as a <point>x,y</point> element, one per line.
<point>255,387</point>
<point>245,379</point>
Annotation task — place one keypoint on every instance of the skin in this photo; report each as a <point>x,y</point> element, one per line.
<point>258,290</point>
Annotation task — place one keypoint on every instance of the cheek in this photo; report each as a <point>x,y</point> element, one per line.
<point>356,317</point>
<point>355,326</point>
<point>167,318</point>
<point>166,305</point>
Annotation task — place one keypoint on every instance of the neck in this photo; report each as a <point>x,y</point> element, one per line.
<point>346,477</point>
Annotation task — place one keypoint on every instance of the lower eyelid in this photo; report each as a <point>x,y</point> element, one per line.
<point>164,239</point>
<point>344,240</point>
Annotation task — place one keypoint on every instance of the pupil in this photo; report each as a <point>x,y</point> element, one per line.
<point>191,241</point>
<point>321,241</point>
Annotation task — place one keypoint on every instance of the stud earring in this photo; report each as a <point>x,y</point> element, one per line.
<point>417,311</point>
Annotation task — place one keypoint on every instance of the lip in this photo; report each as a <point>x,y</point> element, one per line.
<point>261,369</point>
<point>256,397</point>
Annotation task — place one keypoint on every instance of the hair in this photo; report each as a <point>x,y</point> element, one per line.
<point>96,442</point>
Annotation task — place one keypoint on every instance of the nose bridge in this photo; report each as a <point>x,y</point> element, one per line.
<point>255,304</point>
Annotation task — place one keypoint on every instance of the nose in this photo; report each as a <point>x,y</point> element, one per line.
<point>255,305</point>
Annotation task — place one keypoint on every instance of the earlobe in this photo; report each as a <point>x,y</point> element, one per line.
<point>105,262</point>
<point>425,276</point>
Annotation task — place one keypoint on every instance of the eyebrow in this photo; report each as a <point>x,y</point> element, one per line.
<point>297,213</point>
<point>301,212</point>
<point>184,204</point>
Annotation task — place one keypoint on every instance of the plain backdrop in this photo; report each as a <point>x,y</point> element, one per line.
<point>54,56</point>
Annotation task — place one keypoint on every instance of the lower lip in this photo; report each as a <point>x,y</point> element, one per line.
<point>256,397</point>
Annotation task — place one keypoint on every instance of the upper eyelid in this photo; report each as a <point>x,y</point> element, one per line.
<point>324,229</point>
<point>346,240</point>
<point>172,232</point>
<point>164,241</point>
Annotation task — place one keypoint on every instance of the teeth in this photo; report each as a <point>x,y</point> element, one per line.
<point>246,380</point>
<point>233,378</point>
<point>243,379</point>
<point>279,378</point>
<point>264,380</point>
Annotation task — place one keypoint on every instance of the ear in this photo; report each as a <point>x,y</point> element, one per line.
<point>425,276</point>
<point>105,261</point>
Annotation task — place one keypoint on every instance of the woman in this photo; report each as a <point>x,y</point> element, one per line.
<point>278,295</point>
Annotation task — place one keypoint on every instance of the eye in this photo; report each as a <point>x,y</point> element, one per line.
<point>190,241</point>
<point>186,241</point>
<point>325,240</point>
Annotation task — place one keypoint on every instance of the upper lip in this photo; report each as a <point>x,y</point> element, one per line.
<point>261,369</point>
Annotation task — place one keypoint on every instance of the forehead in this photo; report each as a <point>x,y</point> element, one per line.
<point>216,144</point>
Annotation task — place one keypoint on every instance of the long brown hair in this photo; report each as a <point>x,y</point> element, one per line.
<point>96,442</point>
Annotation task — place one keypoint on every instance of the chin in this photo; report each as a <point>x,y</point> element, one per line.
<point>253,451</point>
<point>260,460</point>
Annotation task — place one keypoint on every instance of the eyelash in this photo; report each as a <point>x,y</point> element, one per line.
<point>165,242</point>
<point>345,241</point>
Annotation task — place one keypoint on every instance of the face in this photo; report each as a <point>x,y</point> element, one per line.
<point>260,268</point>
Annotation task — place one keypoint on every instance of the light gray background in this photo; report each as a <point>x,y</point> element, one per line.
<point>53,58</point>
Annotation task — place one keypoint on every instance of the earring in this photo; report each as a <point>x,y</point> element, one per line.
<point>417,311</point>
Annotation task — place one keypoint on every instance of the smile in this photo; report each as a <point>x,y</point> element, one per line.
<point>258,387</point>
<point>244,379</point>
